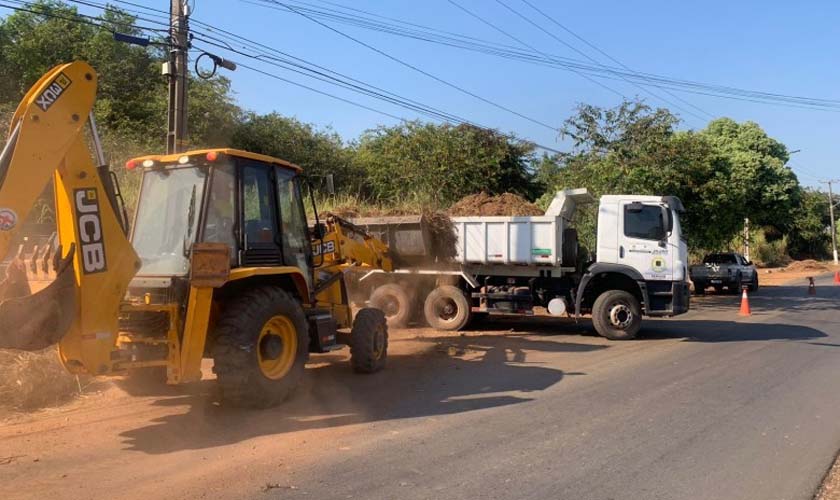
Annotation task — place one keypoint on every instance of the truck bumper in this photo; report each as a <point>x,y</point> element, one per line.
<point>666,298</point>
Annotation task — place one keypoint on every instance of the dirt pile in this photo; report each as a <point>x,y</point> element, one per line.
<point>351,212</point>
<point>806,265</point>
<point>440,226</point>
<point>507,204</point>
<point>442,231</point>
<point>32,380</point>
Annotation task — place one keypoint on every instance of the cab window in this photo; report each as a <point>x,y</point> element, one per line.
<point>644,221</point>
<point>295,240</point>
<point>219,224</point>
<point>259,217</point>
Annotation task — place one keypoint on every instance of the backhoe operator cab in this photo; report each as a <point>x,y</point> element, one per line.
<point>226,252</point>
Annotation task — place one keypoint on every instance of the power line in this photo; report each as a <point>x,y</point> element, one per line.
<point>304,70</point>
<point>349,85</point>
<point>22,6</point>
<point>524,44</point>
<point>603,53</point>
<point>109,7</point>
<point>602,72</point>
<point>419,70</point>
<point>592,59</point>
<point>369,108</point>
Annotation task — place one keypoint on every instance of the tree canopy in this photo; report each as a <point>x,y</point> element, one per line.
<point>442,163</point>
<point>723,174</point>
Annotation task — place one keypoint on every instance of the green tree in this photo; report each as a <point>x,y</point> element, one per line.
<point>439,164</point>
<point>810,235</point>
<point>131,92</point>
<point>723,173</point>
<point>764,189</point>
<point>635,149</point>
<point>318,152</point>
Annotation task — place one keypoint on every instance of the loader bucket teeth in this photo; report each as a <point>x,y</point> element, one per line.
<point>37,321</point>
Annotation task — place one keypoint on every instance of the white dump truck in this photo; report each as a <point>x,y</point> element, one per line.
<point>510,265</point>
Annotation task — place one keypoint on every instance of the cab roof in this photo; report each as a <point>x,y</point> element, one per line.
<point>238,153</point>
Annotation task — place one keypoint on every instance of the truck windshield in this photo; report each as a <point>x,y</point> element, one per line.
<point>167,219</point>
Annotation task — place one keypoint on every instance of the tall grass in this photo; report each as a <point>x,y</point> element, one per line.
<point>351,205</point>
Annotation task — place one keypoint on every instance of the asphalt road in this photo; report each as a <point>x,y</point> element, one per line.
<point>707,405</point>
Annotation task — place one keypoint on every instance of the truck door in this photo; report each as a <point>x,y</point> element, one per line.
<point>643,231</point>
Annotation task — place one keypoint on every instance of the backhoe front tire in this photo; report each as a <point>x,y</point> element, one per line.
<point>261,348</point>
<point>369,341</point>
<point>617,315</point>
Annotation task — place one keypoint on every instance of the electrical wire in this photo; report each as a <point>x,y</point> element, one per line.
<point>601,72</point>
<point>587,56</point>
<point>605,54</point>
<point>527,45</point>
<point>419,70</point>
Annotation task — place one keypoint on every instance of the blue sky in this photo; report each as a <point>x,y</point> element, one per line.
<point>771,45</point>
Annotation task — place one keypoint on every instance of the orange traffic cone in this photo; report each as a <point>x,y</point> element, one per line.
<point>837,277</point>
<point>745,304</point>
<point>812,289</point>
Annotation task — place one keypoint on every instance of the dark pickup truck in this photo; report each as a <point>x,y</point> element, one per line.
<point>728,270</point>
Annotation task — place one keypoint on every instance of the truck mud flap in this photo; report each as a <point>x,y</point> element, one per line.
<point>32,322</point>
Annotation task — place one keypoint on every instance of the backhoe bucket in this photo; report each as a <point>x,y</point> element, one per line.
<point>31,322</point>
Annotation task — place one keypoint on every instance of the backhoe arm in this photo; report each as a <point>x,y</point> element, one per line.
<point>341,247</point>
<point>80,308</point>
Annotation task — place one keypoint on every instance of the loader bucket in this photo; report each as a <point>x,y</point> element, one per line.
<point>31,322</point>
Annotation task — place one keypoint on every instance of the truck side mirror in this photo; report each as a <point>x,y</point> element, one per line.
<point>668,218</point>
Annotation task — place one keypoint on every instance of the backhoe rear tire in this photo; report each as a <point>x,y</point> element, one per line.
<point>369,341</point>
<point>261,348</point>
<point>394,302</point>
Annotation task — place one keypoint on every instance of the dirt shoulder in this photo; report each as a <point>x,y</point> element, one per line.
<point>777,276</point>
<point>830,489</point>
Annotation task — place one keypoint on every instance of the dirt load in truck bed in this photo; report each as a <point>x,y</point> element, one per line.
<point>507,204</point>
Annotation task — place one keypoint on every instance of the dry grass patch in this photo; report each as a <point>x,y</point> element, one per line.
<point>32,380</point>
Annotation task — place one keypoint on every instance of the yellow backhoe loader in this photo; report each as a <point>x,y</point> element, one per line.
<point>219,261</point>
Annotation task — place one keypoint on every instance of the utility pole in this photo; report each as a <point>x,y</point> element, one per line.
<point>747,238</point>
<point>177,71</point>
<point>831,215</point>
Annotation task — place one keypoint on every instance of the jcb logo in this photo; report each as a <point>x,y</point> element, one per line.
<point>323,248</point>
<point>53,92</point>
<point>90,231</point>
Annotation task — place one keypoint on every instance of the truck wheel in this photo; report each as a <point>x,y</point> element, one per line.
<point>447,308</point>
<point>617,315</point>
<point>699,288</point>
<point>394,302</point>
<point>369,341</point>
<point>261,348</point>
<point>754,283</point>
<point>735,288</point>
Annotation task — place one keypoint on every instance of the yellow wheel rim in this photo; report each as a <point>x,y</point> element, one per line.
<point>277,347</point>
